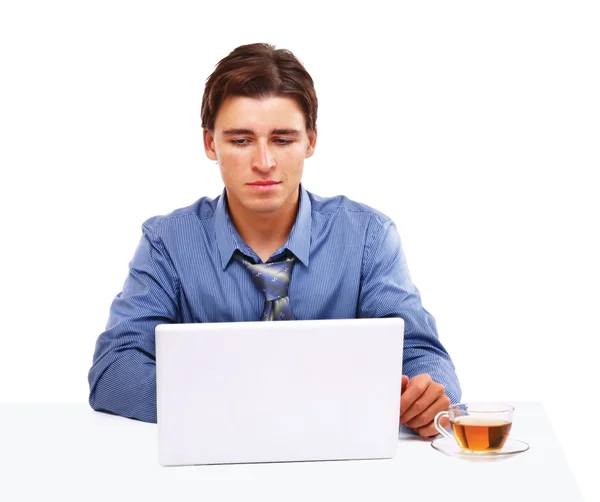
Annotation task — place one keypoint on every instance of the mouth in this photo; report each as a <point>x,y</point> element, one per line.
<point>263,186</point>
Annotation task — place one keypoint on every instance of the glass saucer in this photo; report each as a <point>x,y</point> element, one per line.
<point>450,447</point>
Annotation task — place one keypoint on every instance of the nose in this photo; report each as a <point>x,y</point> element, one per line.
<point>263,159</point>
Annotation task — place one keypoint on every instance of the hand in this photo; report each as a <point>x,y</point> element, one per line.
<point>421,400</point>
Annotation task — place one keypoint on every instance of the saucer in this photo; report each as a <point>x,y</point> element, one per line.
<point>451,448</point>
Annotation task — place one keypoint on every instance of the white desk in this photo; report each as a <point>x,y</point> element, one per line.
<point>68,451</point>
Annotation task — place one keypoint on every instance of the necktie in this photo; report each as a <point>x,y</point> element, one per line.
<point>273,279</point>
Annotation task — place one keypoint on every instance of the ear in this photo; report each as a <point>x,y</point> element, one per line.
<point>312,143</point>
<point>209,144</point>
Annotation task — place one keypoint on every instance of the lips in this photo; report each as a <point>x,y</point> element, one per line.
<point>263,186</point>
<point>263,183</point>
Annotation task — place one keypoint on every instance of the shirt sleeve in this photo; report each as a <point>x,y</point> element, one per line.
<point>123,375</point>
<point>387,291</point>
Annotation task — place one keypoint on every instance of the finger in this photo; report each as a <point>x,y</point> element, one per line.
<point>404,383</point>
<point>403,386</point>
<point>428,431</point>
<point>440,404</point>
<point>433,392</point>
<point>414,390</point>
<point>434,401</point>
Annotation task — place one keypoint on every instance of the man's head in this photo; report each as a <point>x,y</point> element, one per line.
<point>259,114</point>
<point>259,71</point>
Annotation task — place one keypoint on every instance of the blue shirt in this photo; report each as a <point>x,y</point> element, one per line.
<point>349,264</point>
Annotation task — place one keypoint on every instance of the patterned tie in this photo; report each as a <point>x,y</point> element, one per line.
<point>273,279</point>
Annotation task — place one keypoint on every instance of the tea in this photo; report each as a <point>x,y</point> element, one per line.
<point>481,434</point>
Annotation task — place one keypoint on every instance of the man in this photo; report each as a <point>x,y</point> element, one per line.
<point>332,258</point>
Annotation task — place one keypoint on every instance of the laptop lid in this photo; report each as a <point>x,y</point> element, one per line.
<point>278,391</point>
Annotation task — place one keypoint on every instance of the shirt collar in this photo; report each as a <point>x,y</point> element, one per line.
<point>298,241</point>
<point>228,239</point>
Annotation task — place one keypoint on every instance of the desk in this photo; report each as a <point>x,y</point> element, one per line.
<point>60,451</point>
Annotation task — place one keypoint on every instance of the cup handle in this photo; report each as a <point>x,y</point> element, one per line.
<point>441,430</point>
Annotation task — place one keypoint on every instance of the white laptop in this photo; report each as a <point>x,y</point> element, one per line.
<point>278,391</point>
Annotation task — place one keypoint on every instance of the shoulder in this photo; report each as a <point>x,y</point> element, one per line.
<point>342,207</point>
<point>200,211</point>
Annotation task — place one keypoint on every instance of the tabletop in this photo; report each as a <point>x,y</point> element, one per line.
<point>52,450</point>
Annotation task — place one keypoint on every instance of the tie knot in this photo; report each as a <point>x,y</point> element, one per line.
<point>273,278</point>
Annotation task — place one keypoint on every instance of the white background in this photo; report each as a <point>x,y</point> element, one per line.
<point>474,125</point>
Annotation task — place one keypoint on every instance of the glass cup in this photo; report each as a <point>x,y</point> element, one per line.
<point>478,427</point>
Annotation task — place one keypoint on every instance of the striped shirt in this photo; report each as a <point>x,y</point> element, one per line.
<point>350,264</point>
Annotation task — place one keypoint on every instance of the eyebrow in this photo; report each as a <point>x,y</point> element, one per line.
<point>284,132</point>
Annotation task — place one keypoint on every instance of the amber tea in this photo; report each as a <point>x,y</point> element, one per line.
<point>481,434</point>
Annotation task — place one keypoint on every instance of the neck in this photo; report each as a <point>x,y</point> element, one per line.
<point>265,232</point>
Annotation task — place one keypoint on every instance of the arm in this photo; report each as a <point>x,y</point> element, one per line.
<point>123,374</point>
<point>387,291</point>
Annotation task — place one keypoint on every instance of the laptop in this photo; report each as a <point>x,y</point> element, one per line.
<point>278,391</point>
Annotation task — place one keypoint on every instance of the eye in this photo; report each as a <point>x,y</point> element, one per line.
<point>239,142</point>
<point>283,141</point>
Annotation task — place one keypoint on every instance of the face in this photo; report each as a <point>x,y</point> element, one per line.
<point>260,146</point>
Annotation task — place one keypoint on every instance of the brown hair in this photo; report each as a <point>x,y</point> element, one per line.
<point>259,71</point>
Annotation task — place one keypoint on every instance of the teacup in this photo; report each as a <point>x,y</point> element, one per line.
<point>478,427</point>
